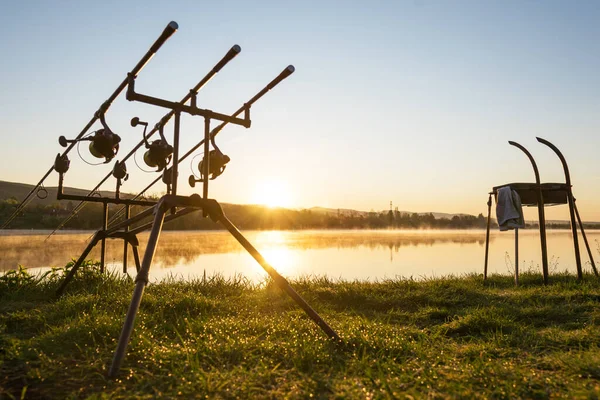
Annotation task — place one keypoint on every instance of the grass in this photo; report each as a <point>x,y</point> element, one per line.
<point>228,338</point>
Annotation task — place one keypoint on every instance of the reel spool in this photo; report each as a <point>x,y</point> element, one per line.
<point>216,166</point>
<point>160,152</point>
<point>104,142</point>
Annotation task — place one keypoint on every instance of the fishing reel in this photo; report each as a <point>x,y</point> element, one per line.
<point>104,142</point>
<point>217,162</point>
<point>160,152</point>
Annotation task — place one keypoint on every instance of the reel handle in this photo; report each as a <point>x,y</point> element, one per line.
<point>64,142</point>
<point>135,121</point>
<point>192,181</point>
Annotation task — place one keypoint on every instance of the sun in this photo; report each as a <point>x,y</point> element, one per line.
<point>272,193</point>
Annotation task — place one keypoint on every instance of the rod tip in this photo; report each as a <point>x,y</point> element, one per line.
<point>173,25</point>
<point>236,48</point>
<point>291,68</point>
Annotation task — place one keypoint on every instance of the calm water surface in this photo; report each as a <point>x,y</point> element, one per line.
<point>363,255</point>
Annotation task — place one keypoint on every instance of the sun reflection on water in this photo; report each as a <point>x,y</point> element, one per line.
<point>283,259</point>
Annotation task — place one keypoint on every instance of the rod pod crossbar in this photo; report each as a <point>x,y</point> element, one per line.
<point>166,34</point>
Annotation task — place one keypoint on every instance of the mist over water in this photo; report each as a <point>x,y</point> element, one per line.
<point>349,255</point>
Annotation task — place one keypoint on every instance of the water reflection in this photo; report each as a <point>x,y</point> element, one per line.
<point>338,254</point>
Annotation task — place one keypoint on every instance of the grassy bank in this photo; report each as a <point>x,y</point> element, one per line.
<point>222,338</point>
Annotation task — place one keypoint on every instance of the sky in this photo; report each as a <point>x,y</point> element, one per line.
<point>412,102</point>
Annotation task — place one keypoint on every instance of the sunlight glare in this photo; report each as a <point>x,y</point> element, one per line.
<point>282,259</point>
<point>272,193</point>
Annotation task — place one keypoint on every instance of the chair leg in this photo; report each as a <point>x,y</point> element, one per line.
<point>487,238</point>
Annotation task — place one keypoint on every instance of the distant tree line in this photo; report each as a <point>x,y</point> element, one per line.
<point>246,217</point>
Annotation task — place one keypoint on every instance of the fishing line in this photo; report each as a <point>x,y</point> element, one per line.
<point>79,152</point>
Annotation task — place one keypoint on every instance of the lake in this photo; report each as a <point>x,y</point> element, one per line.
<point>350,255</point>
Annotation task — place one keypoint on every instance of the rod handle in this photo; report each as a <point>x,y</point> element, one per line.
<point>234,51</point>
<point>284,74</point>
<point>169,30</point>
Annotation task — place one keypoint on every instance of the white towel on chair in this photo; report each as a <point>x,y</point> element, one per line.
<point>509,210</point>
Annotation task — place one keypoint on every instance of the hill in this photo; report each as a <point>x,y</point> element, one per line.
<point>18,191</point>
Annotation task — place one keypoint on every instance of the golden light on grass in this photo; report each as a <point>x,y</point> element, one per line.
<point>272,193</point>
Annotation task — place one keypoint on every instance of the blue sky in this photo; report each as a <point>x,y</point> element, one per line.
<point>409,101</point>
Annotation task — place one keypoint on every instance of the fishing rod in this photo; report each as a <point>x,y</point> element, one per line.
<point>234,51</point>
<point>284,74</point>
<point>166,34</point>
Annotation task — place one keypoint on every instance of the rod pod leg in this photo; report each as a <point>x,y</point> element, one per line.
<point>279,280</point>
<point>77,264</point>
<point>136,258</point>
<point>103,242</point>
<point>125,243</point>
<point>141,281</point>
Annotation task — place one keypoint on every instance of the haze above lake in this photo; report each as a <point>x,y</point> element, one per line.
<point>349,255</point>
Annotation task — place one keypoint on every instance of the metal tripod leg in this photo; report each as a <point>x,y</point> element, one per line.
<point>125,243</point>
<point>136,258</point>
<point>78,263</point>
<point>140,283</point>
<point>279,280</point>
<point>103,243</point>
